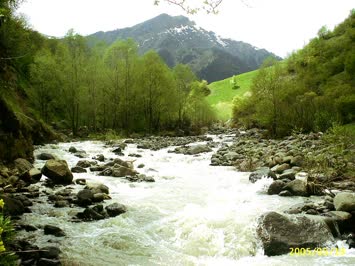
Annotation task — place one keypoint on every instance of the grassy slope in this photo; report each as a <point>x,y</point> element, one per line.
<point>222,94</point>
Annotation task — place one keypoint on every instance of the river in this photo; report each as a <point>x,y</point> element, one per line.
<point>194,214</point>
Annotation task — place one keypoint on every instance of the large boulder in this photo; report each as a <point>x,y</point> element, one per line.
<point>85,197</point>
<point>260,173</point>
<point>45,156</point>
<point>276,187</point>
<point>13,206</point>
<point>23,165</point>
<point>280,232</point>
<point>198,149</point>
<point>35,174</point>
<point>345,201</point>
<point>115,209</point>
<point>57,171</point>
<point>297,187</point>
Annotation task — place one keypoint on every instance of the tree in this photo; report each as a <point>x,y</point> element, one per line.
<point>44,77</point>
<point>184,78</point>
<point>74,68</point>
<point>234,83</point>
<point>209,6</point>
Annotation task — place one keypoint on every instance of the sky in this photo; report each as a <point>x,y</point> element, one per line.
<point>279,26</point>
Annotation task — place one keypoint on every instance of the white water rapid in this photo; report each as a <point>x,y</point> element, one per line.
<point>194,214</point>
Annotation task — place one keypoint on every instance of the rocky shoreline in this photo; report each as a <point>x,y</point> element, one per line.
<point>283,160</point>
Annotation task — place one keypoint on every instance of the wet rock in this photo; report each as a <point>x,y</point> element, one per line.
<point>78,169</point>
<point>135,155</point>
<point>53,230</point>
<point>58,172</point>
<point>198,149</point>
<point>45,156</point>
<point>280,232</point>
<point>260,173</point>
<point>118,151</point>
<point>98,188</point>
<point>121,171</point>
<point>72,149</point>
<point>285,193</point>
<point>90,214</point>
<point>99,197</point>
<point>345,201</point>
<point>97,168</point>
<point>81,154</point>
<point>297,187</point>
<point>61,204</point>
<point>99,157</point>
<point>50,252</point>
<point>85,197</point>
<point>288,174</point>
<point>275,187</point>
<point>115,209</point>
<point>48,262</point>
<point>83,164</point>
<point>35,174</point>
<point>280,168</point>
<point>80,181</point>
<point>13,206</point>
<point>140,165</point>
<point>29,228</point>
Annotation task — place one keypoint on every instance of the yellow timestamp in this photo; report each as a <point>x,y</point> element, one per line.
<point>317,252</point>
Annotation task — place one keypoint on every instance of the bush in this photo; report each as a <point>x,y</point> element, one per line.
<point>7,257</point>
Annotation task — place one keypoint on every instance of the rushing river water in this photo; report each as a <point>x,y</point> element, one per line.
<point>194,214</point>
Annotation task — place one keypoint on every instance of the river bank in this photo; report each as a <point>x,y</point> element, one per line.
<point>197,212</point>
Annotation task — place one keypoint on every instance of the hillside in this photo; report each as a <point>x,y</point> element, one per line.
<point>222,94</point>
<point>179,40</point>
<point>312,90</point>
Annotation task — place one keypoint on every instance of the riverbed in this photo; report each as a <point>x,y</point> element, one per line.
<point>194,214</point>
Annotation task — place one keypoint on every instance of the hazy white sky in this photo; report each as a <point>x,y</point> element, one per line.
<point>279,26</point>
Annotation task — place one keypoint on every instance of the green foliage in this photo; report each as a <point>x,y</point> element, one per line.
<point>114,88</point>
<point>222,95</point>
<point>312,89</point>
<point>337,160</point>
<point>7,258</point>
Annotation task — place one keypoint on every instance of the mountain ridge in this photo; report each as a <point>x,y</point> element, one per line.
<point>179,40</point>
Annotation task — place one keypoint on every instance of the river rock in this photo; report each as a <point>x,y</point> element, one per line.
<point>72,149</point>
<point>115,209</point>
<point>53,230</point>
<point>85,197</point>
<point>288,174</point>
<point>285,193</point>
<point>99,157</point>
<point>198,149</point>
<point>78,169</point>
<point>276,187</point>
<point>280,168</point>
<point>297,187</point>
<point>345,201</point>
<point>90,214</point>
<point>35,174</point>
<point>280,232</point>
<point>50,252</point>
<point>45,156</point>
<point>23,165</point>
<point>121,171</point>
<point>260,173</point>
<point>98,188</point>
<point>13,206</point>
<point>83,163</point>
<point>57,171</point>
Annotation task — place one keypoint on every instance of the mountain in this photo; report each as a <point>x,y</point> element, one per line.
<point>178,40</point>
